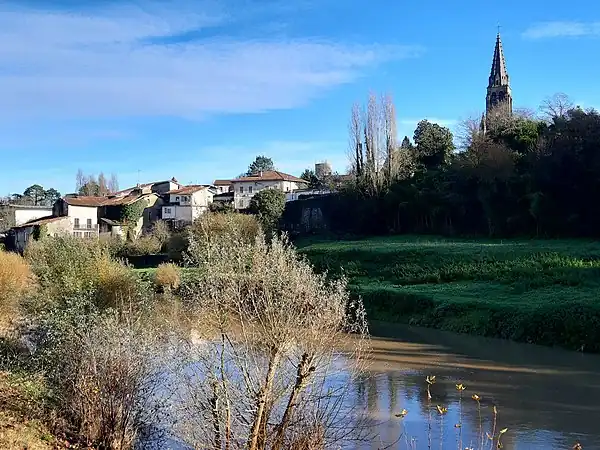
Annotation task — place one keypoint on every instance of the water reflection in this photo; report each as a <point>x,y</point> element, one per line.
<point>547,398</point>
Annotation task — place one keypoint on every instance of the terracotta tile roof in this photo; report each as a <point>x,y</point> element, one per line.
<point>222,182</point>
<point>147,185</point>
<point>270,175</point>
<point>103,201</point>
<point>83,200</point>
<point>40,221</point>
<point>186,190</point>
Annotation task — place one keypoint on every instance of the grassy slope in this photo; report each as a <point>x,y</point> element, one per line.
<point>532,291</point>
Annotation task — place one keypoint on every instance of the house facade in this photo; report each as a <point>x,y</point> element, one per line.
<point>156,187</point>
<point>223,186</point>
<point>186,204</point>
<point>246,187</point>
<point>86,213</point>
<point>19,236</point>
<point>82,213</point>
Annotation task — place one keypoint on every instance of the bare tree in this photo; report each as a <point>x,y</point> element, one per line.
<point>113,184</point>
<point>388,111</point>
<point>469,132</point>
<point>270,329</point>
<point>556,106</point>
<point>355,149</point>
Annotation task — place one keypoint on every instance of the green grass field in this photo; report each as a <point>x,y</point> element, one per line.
<point>542,291</point>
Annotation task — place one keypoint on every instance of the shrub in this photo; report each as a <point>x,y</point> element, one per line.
<point>177,245</point>
<point>167,276</point>
<point>147,244</point>
<point>160,230</point>
<point>115,283</point>
<point>277,323</point>
<point>268,204</point>
<point>213,227</point>
<point>64,265</point>
<point>67,266</point>
<point>102,368</point>
<point>16,279</point>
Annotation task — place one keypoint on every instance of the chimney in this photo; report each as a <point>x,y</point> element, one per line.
<point>260,174</point>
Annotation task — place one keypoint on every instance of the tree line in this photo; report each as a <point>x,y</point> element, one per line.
<point>521,174</point>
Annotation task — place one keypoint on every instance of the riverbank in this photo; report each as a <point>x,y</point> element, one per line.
<point>537,291</point>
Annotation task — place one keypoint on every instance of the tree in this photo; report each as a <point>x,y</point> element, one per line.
<point>51,196</point>
<point>90,188</point>
<point>268,205</point>
<point>102,184</point>
<point>556,106</point>
<point>89,185</point>
<point>260,164</point>
<point>36,194</point>
<point>310,176</point>
<point>113,184</point>
<point>434,145</point>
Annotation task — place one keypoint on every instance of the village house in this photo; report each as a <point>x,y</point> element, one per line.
<point>246,187</point>
<point>19,236</point>
<point>93,216</point>
<point>14,215</point>
<point>223,186</point>
<point>187,203</point>
<point>156,187</point>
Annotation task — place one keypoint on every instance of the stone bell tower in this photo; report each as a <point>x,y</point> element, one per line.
<point>499,95</point>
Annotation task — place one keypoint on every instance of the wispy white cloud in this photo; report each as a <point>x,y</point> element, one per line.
<point>155,61</point>
<point>546,30</point>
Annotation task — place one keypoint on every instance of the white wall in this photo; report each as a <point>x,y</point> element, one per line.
<point>83,213</point>
<point>176,212</point>
<point>241,199</point>
<point>25,215</point>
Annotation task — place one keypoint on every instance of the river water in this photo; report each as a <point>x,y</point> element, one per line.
<point>547,398</point>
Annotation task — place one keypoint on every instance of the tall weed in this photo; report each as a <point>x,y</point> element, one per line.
<point>16,280</point>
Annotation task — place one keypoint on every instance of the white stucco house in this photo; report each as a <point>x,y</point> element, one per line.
<point>188,203</point>
<point>223,186</point>
<point>20,214</point>
<point>246,187</point>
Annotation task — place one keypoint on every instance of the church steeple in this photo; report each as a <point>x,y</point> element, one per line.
<point>499,94</point>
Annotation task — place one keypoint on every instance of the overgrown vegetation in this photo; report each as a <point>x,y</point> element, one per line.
<point>16,280</point>
<point>525,176</point>
<point>530,291</point>
<point>268,205</point>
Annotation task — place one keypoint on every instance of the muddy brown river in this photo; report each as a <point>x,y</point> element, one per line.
<point>547,398</point>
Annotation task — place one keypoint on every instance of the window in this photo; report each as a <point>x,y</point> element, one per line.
<point>176,199</point>
<point>77,234</point>
<point>87,235</point>
<point>167,210</point>
<point>76,223</point>
<point>250,190</point>
<point>241,189</point>
<point>89,224</point>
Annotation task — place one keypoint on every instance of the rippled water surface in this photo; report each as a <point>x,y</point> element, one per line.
<point>547,398</point>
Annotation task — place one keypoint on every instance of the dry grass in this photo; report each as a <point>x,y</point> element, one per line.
<point>167,276</point>
<point>16,279</point>
<point>20,414</point>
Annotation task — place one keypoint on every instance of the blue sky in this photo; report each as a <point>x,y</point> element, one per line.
<point>196,89</point>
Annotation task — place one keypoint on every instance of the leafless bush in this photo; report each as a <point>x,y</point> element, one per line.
<point>268,373</point>
<point>104,374</point>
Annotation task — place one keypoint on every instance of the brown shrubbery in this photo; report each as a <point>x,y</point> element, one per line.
<point>16,280</point>
<point>167,276</point>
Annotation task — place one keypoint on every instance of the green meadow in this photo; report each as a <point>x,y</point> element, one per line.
<point>538,291</point>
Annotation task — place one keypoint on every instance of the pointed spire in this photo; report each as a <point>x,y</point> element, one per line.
<point>483,124</point>
<point>498,74</point>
